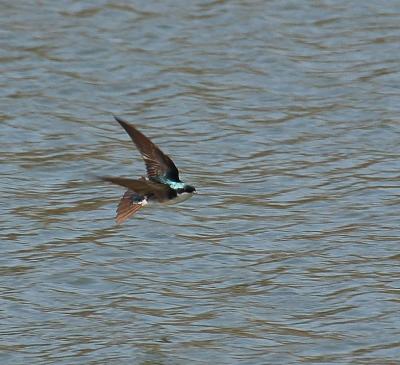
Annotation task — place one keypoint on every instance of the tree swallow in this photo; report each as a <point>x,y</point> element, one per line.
<point>161,185</point>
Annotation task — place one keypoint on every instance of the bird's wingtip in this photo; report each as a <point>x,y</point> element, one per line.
<point>95,177</point>
<point>118,119</point>
<point>104,178</point>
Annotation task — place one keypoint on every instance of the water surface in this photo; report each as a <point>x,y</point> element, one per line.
<point>283,114</point>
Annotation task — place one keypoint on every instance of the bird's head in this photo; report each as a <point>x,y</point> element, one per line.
<point>189,189</point>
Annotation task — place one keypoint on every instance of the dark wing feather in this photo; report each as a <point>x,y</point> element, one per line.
<point>161,192</point>
<point>157,163</point>
<point>127,206</point>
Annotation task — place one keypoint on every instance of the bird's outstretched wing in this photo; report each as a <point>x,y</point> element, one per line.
<point>161,192</point>
<point>158,165</point>
<point>129,204</point>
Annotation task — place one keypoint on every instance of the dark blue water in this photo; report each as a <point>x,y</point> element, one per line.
<point>283,114</point>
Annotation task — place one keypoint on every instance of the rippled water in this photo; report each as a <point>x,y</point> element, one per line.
<point>283,114</point>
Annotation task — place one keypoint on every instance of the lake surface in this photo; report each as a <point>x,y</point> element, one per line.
<point>285,115</point>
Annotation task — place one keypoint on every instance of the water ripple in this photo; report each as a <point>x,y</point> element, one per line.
<point>285,118</point>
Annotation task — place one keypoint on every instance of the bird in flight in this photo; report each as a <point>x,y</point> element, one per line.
<point>161,185</point>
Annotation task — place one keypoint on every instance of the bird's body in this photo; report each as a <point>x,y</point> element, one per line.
<point>161,185</point>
